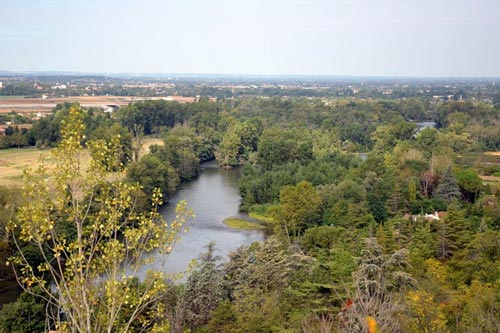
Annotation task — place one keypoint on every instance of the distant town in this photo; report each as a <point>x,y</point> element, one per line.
<point>33,95</point>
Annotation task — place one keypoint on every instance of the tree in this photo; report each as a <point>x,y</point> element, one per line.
<point>9,201</point>
<point>482,305</point>
<point>426,315</point>
<point>279,146</point>
<point>203,291</point>
<point>25,315</point>
<point>378,285</point>
<point>428,181</point>
<point>91,239</point>
<point>259,278</point>
<point>181,150</point>
<point>227,153</point>
<point>299,207</point>
<point>153,174</point>
<point>427,139</point>
<point>470,184</point>
<point>448,189</point>
<point>453,233</point>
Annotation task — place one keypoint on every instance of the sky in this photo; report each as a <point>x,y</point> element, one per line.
<point>269,37</point>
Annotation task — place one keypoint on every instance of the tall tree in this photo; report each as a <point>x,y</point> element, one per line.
<point>448,189</point>
<point>203,291</point>
<point>92,240</point>
<point>453,232</point>
<point>299,207</point>
<point>378,285</point>
<point>470,184</point>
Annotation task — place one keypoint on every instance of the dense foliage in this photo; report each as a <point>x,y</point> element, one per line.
<point>373,214</point>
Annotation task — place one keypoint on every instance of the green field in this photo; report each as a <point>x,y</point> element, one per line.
<point>15,160</point>
<point>241,224</point>
<point>10,97</point>
<point>477,159</point>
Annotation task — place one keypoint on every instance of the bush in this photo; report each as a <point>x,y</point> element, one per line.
<point>25,315</point>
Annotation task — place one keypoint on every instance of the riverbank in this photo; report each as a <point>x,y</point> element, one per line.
<point>242,224</point>
<point>213,196</point>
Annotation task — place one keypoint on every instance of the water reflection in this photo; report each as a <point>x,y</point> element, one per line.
<point>213,196</point>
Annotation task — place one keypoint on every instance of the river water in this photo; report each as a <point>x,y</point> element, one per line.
<point>213,196</point>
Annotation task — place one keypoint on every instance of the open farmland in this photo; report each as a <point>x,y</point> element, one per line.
<point>35,105</point>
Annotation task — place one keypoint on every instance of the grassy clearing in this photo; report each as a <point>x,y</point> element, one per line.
<point>15,160</point>
<point>241,224</point>
<point>148,142</point>
<point>261,217</point>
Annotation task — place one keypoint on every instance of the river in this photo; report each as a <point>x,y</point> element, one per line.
<point>213,196</point>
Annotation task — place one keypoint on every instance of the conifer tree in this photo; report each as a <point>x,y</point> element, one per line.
<point>448,189</point>
<point>453,232</point>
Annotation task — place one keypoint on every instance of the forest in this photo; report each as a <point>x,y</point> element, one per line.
<point>377,219</point>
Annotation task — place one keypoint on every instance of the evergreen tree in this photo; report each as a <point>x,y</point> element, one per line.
<point>378,285</point>
<point>203,290</point>
<point>25,315</point>
<point>453,233</point>
<point>448,189</point>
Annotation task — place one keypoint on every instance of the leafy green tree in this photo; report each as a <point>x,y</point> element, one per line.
<point>182,150</point>
<point>491,211</point>
<point>345,204</point>
<point>427,140</point>
<point>299,207</point>
<point>377,194</point>
<point>89,275</point>
<point>325,143</point>
<point>152,174</point>
<point>470,184</point>
<point>279,146</point>
<point>9,202</point>
<point>115,132</point>
<point>228,152</point>
<point>223,319</point>
<point>387,136</point>
<point>482,305</point>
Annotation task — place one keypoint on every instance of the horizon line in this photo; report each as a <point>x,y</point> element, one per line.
<point>194,74</point>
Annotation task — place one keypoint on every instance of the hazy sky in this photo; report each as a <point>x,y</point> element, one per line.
<point>321,37</point>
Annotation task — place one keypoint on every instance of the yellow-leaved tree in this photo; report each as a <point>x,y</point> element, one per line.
<point>91,239</point>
